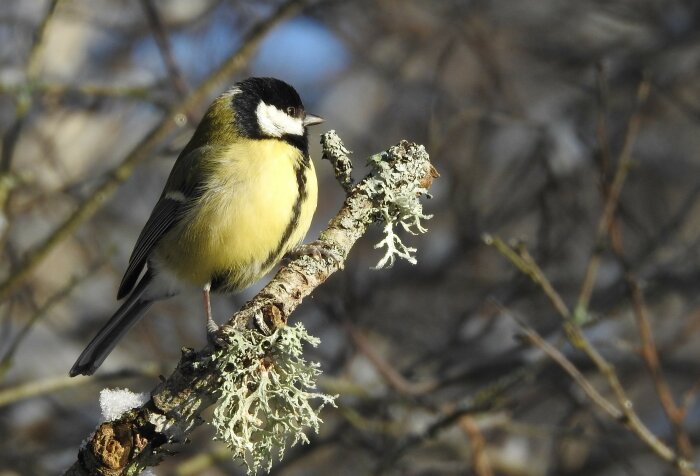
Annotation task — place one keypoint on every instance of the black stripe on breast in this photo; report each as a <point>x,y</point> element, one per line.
<point>300,171</point>
<point>220,281</point>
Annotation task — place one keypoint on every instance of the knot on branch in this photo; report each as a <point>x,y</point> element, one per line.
<point>115,444</point>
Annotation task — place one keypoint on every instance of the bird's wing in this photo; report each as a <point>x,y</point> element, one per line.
<point>182,187</point>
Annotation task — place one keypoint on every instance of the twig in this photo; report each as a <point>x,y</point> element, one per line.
<point>602,123</point>
<point>143,436</point>
<point>625,414</point>
<point>674,413</point>
<point>650,355</point>
<point>7,359</point>
<point>38,388</point>
<point>521,259</point>
<point>49,88</point>
<point>570,368</point>
<point>38,45</point>
<point>524,262</point>
<point>173,71</point>
<point>480,460</point>
<point>446,420</point>
<point>357,419</point>
<point>397,381</point>
<point>161,37</point>
<point>485,399</point>
<point>613,196</point>
<point>146,147</point>
<point>23,105</point>
<point>690,396</point>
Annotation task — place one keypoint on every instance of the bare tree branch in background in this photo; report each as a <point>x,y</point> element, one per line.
<point>161,36</point>
<point>22,108</point>
<point>624,411</point>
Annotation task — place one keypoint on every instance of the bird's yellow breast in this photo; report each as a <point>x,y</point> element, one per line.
<point>256,204</point>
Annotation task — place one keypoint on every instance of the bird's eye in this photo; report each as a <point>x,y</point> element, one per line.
<point>292,111</point>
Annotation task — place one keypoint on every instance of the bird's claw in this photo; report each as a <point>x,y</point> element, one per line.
<point>316,250</point>
<point>215,334</point>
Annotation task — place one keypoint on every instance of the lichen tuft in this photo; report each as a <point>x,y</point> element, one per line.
<point>396,190</point>
<point>267,394</point>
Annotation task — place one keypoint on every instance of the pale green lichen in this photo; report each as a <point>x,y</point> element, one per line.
<point>338,155</point>
<point>396,192</point>
<point>267,394</point>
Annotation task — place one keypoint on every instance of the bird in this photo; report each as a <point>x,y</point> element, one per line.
<point>240,196</point>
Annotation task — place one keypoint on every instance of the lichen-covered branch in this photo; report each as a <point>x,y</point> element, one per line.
<point>143,436</point>
<point>268,396</point>
<point>335,152</point>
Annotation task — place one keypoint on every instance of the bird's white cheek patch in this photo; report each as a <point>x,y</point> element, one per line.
<point>276,123</point>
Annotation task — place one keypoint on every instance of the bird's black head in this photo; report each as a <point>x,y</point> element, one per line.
<point>268,108</point>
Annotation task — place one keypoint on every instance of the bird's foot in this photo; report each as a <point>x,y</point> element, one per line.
<point>315,249</point>
<point>215,334</point>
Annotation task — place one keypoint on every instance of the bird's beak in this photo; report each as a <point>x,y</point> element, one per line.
<point>311,120</point>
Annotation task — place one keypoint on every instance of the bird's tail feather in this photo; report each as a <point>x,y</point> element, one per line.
<point>124,319</point>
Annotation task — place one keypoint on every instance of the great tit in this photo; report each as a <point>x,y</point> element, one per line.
<point>240,196</point>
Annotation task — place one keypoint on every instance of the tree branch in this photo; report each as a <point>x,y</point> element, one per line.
<point>143,436</point>
<point>674,412</point>
<point>524,262</point>
<point>612,199</point>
